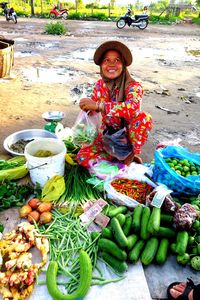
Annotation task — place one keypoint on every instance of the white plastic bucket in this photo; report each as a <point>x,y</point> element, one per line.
<point>43,168</point>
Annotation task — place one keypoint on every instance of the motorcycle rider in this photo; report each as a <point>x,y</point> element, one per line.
<point>129,15</point>
<point>145,10</point>
<point>7,11</point>
<point>129,12</point>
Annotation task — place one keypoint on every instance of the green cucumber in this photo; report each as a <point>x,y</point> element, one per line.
<point>136,251</point>
<point>112,248</point>
<point>95,235</point>
<point>182,242</point>
<point>173,248</point>
<point>121,218</point>
<point>118,233</point>
<point>137,214</point>
<point>118,210</point>
<point>194,250</point>
<point>107,233</point>
<point>132,239</point>
<point>165,232</point>
<point>161,255</point>
<point>144,234</point>
<point>166,218</point>
<point>149,251</point>
<point>114,263</point>
<point>154,220</point>
<point>127,225</point>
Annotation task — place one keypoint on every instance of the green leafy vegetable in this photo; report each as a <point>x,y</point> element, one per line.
<point>13,194</point>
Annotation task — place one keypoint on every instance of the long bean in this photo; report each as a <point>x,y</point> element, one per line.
<point>102,282</point>
<point>98,270</point>
<point>67,236</point>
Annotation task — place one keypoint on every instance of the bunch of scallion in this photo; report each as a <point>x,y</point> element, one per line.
<point>78,191</point>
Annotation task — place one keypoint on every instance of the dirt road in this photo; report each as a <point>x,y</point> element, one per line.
<point>50,73</point>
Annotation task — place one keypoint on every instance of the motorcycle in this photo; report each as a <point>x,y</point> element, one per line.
<point>140,21</point>
<point>55,12</point>
<point>9,12</point>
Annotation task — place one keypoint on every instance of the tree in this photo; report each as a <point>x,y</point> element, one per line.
<point>32,8</point>
<point>112,3</point>
<point>79,4</point>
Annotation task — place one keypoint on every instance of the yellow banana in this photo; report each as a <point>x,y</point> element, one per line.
<point>72,155</point>
<point>70,160</point>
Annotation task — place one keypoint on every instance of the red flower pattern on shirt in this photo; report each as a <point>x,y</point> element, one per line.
<point>138,123</point>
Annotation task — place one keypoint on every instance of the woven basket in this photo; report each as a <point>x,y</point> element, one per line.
<point>6,56</point>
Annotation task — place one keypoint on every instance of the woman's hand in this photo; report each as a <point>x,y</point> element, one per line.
<point>88,104</point>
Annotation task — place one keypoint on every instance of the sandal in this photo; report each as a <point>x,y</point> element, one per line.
<point>184,296</point>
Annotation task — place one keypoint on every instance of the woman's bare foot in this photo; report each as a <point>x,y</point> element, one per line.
<point>132,158</point>
<point>178,290</point>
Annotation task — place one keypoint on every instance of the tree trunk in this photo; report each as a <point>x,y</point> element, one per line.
<point>41,5</point>
<point>32,8</point>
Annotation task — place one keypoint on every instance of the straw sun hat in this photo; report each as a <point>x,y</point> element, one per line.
<point>113,45</point>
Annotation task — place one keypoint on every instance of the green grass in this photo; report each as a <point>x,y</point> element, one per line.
<point>196,21</point>
<point>57,28</point>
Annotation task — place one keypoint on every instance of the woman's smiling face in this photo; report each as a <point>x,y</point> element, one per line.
<point>111,64</point>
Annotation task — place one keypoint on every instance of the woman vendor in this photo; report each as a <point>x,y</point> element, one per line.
<point>116,96</point>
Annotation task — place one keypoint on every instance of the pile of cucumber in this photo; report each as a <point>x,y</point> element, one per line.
<point>146,234</point>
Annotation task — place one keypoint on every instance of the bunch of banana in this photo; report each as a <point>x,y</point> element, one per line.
<point>14,168</point>
<point>53,188</point>
<point>69,158</point>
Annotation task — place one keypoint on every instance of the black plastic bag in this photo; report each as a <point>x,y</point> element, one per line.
<point>115,142</point>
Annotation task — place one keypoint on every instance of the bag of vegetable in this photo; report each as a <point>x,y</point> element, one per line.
<point>85,128</point>
<point>178,169</point>
<point>125,191</point>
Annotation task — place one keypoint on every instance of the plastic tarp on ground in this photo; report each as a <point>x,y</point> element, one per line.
<point>133,287</point>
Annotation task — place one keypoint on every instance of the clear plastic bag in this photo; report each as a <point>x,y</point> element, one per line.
<point>121,198</point>
<point>162,173</point>
<point>103,168</point>
<point>86,127</point>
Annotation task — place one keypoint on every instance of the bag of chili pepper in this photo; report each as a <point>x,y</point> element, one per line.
<point>128,192</point>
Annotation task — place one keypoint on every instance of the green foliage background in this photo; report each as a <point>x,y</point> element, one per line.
<point>94,11</point>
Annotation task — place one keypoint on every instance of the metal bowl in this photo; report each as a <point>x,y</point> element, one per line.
<point>25,135</point>
<point>53,116</point>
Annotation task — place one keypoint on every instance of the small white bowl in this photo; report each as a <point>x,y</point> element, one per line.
<point>26,135</point>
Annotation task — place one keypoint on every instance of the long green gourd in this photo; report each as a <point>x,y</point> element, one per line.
<point>85,279</point>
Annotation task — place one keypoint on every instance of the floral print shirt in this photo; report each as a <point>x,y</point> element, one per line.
<point>115,110</point>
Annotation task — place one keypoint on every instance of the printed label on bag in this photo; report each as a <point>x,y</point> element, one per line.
<point>160,195</point>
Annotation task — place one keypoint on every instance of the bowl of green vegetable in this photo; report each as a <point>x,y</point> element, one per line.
<point>17,141</point>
